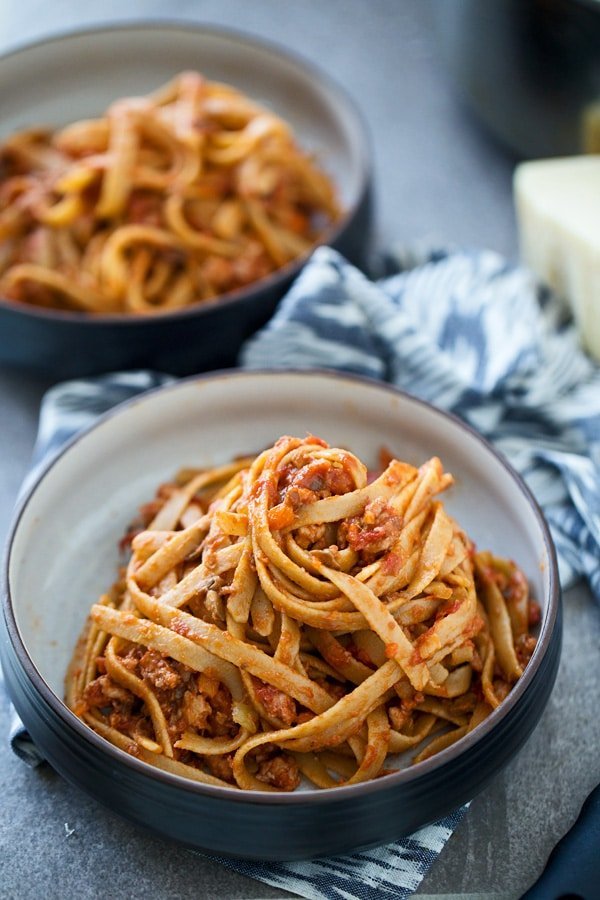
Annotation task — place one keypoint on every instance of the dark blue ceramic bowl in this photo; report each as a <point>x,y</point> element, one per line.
<point>76,76</point>
<point>62,554</point>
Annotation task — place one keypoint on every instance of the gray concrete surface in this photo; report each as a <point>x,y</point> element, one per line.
<point>439,177</point>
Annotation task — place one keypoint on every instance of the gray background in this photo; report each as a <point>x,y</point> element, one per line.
<point>439,178</point>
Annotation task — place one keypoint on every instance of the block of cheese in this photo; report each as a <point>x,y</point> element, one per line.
<point>558,212</point>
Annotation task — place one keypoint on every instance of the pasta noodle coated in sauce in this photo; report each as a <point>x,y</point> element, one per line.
<point>167,200</point>
<point>292,615</point>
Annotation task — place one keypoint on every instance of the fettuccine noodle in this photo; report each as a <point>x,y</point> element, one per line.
<point>292,615</point>
<point>167,200</point>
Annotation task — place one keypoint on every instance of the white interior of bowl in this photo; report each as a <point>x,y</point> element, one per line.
<point>64,552</point>
<point>77,76</point>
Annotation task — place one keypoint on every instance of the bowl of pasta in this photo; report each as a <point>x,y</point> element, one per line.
<point>160,187</point>
<point>297,613</point>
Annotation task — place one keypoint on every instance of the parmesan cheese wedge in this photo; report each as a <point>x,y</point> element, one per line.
<point>558,212</point>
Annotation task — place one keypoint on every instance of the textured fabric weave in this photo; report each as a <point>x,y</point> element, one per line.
<point>475,336</point>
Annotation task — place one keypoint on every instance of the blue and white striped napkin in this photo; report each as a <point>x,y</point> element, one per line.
<point>469,333</point>
<point>472,334</point>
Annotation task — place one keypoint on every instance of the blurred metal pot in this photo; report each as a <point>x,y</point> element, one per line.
<point>529,68</point>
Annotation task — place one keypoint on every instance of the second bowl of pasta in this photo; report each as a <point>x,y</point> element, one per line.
<point>157,217</point>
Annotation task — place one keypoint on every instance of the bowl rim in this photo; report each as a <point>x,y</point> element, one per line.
<point>284,273</point>
<point>325,795</point>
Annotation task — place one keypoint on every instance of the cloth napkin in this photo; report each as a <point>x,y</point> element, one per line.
<point>469,333</point>
<point>476,336</point>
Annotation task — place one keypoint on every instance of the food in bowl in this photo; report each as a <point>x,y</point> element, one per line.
<point>90,492</point>
<point>294,616</point>
<point>168,200</point>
